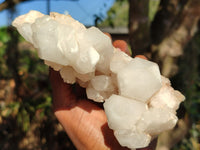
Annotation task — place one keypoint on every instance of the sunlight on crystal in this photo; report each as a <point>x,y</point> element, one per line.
<point>139,103</point>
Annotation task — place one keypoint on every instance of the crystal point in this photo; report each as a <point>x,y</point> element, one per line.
<point>139,102</point>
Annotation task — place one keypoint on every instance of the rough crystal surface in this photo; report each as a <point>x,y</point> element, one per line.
<point>102,83</point>
<point>24,22</point>
<point>100,88</point>
<point>102,43</point>
<point>119,60</point>
<point>166,97</point>
<point>53,65</point>
<point>95,95</point>
<point>139,102</point>
<point>68,75</point>
<point>144,76</point>
<point>161,120</point>
<point>120,111</point>
<point>132,139</point>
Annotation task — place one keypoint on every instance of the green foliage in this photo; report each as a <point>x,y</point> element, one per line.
<point>188,80</point>
<point>117,15</point>
<point>153,8</point>
<point>31,71</point>
<point>4,38</point>
<point>192,79</point>
<point>192,141</point>
<point>26,104</point>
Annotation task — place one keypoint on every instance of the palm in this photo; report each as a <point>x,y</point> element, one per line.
<point>84,121</point>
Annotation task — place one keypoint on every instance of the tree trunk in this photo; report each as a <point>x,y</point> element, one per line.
<point>139,27</point>
<point>164,39</point>
<point>170,39</point>
<point>173,27</point>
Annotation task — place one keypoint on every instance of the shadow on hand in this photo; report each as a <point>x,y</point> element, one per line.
<point>110,140</point>
<point>67,97</point>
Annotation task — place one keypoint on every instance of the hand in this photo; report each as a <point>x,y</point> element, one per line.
<point>84,121</point>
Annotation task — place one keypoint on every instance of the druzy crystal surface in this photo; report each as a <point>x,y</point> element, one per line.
<point>138,101</point>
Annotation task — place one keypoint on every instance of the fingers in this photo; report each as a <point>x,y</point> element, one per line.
<point>108,34</point>
<point>141,56</point>
<point>121,44</point>
<point>63,96</point>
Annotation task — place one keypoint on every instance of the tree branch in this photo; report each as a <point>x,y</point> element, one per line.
<point>9,4</point>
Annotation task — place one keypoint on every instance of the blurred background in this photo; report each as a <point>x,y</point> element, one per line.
<point>166,31</point>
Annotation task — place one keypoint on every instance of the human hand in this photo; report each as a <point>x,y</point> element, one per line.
<point>84,121</point>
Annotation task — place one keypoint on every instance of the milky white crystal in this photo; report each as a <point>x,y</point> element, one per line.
<point>102,43</point>
<point>119,60</point>
<point>24,22</point>
<point>102,83</point>
<point>84,77</point>
<point>166,97</point>
<point>120,111</point>
<point>139,102</point>
<point>100,88</point>
<point>68,75</point>
<point>97,96</point>
<point>132,139</point>
<point>144,76</point>
<point>55,66</point>
<point>161,120</point>
<point>45,38</point>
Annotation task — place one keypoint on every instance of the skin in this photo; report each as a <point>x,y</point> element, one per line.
<point>121,44</point>
<point>83,120</point>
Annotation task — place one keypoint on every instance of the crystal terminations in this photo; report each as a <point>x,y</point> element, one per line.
<point>139,103</point>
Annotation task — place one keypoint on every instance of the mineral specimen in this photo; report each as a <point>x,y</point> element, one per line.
<point>138,101</point>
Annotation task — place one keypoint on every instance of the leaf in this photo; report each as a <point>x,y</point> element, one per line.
<point>153,7</point>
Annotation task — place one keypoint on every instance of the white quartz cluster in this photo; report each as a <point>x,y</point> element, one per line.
<point>138,101</point>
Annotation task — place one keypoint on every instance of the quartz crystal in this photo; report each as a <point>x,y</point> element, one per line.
<point>141,73</point>
<point>166,97</point>
<point>132,139</point>
<point>118,110</point>
<point>68,74</point>
<point>24,22</point>
<point>97,96</point>
<point>161,120</point>
<point>119,60</point>
<point>55,66</point>
<point>100,88</point>
<point>139,103</point>
<point>102,83</point>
